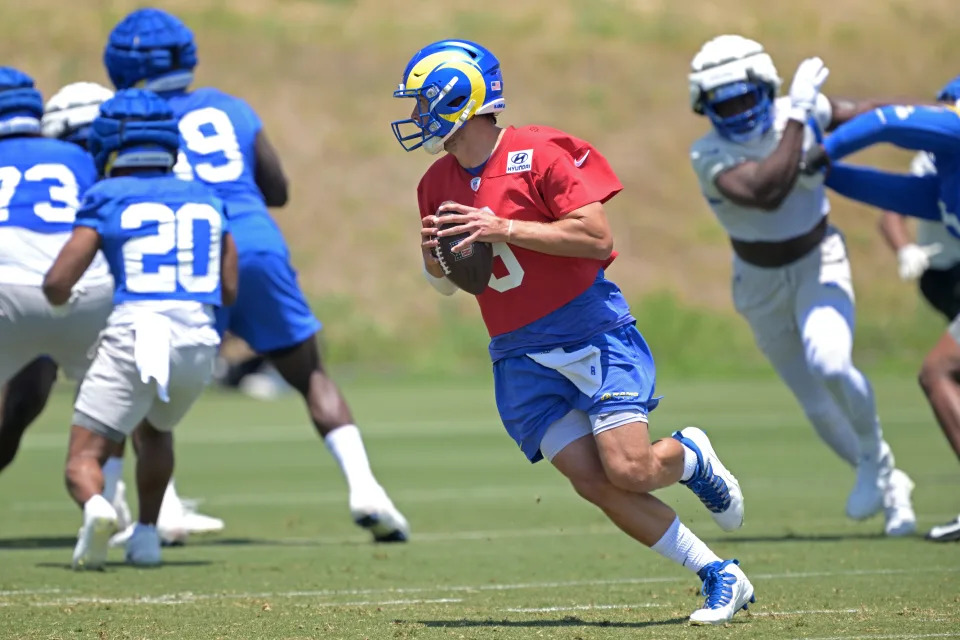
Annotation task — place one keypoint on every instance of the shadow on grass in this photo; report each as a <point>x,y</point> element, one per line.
<point>567,621</point>
<point>38,542</point>
<point>799,537</point>
<point>124,565</point>
<point>68,542</point>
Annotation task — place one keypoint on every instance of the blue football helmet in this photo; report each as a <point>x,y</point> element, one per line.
<point>950,92</point>
<point>135,128</point>
<point>21,105</point>
<point>734,70</point>
<point>150,49</point>
<point>452,81</point>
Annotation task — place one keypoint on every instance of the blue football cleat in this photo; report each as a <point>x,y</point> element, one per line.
<point>716,487</point>
<point>727,589</point>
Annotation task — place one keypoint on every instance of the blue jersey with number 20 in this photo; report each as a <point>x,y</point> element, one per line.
<point>161,236</point>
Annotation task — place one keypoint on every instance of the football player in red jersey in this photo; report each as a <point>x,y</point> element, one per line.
<point>574,378</point>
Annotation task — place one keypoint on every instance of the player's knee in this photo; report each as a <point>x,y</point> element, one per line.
<point>594,488</point>
<point>72,470</point>
<point>830,365</point>
<point>931,372</point>
<point>632,474</point>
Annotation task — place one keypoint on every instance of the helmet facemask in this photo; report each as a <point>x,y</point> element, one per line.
<point>740,111</point>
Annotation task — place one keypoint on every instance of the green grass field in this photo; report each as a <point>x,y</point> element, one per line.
<point>501,549</point>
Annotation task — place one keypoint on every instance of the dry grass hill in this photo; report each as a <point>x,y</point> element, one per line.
<point>320,73</point>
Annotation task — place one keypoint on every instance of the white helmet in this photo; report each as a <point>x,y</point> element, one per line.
<point>69,112</point>
<point>731,66</point>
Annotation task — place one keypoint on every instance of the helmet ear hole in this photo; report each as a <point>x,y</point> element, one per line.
<point>457,102</point>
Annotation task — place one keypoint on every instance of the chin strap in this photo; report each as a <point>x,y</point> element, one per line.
<point>434,145</point>
<point>173,81</point>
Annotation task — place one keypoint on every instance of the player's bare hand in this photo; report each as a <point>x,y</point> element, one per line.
<point>482,224</point>
<point>428,232</point>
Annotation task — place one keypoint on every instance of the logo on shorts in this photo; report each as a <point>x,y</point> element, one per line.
<point>619,395</point>
<point>519,161</point>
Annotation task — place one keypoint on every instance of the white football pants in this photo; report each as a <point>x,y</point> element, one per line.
<point>802,316</point>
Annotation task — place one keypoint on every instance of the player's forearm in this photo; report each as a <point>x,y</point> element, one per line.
<point>921,128</point>
<point>842,110</point>
<point>432,266</point>
<point>766,184</point>
<point>71,263</point>
<point>913,196</point>
<point>894,230</point>
<point>568,237</point>
<point>58,283</point>
<point>229,270</point>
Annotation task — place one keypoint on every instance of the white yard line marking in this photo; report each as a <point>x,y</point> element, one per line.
<point>774,614</point>
<point>906,636</point>
<point>585,607</point>
<point>187,597</point>
<point>27,592</point>
<point>386,603</point>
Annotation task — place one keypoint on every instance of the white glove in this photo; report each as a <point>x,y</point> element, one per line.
<point>914,259</point>
<point>810,76</point>
<point>61,310</point>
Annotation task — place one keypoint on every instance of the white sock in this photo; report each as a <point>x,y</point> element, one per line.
<point>683,547</point>
<point>171,509</point>
<point>97,504</point>
<point>112,474</point>
<point>689,463</point>
<point>346,446</point>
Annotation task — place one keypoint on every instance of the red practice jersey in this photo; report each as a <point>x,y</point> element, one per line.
<point>537,174</point>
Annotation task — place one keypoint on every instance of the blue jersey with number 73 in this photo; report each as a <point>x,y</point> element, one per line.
<point>161,236</point>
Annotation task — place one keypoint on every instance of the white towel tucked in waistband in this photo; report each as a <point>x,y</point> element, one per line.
<point>151,350</point>
<point>581,367</point>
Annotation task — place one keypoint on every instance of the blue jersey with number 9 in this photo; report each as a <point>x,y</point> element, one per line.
<point>217,135</point>
<point>162,237</point>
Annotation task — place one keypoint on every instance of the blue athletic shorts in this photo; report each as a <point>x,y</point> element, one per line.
<point>271,311</point>
<point>531,396</point>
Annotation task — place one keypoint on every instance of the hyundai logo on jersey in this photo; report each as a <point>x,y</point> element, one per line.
<point>518,161</point>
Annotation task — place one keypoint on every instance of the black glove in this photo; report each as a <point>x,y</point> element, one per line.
<point>814,160</point>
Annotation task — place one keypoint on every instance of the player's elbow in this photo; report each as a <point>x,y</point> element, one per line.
<point>276,194</point>
<point>602,247</point>
<point>770,200</point>
<point>56,290</point>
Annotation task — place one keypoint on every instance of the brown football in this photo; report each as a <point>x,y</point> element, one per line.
<point>471,269</point>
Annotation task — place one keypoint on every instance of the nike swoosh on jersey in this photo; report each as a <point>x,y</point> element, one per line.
<point>582,159</point>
